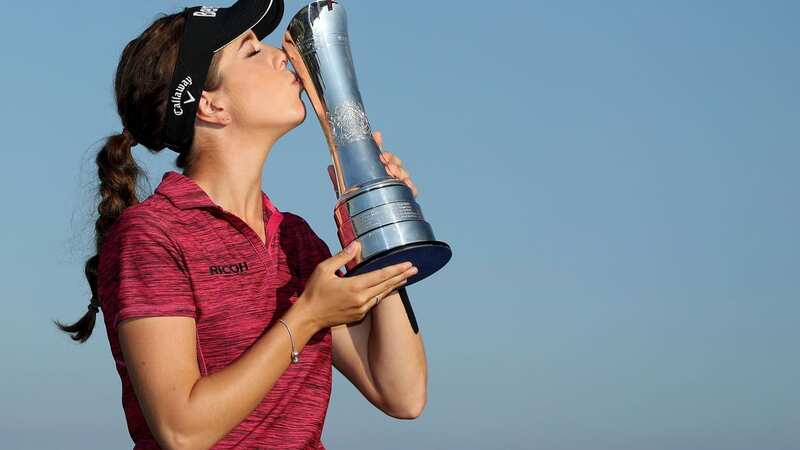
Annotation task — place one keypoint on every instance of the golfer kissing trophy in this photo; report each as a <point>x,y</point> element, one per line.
<point>372,207</point>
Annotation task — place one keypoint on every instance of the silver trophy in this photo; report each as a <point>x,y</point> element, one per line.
<point>372,207</point>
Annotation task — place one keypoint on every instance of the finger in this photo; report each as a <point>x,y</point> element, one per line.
<point>390,158</point>
<point>375,277</point>
<point>413,187</point>
<point>401,172</point>
<point>391,284</point>
<point>393,291</point>
<point>389,170</point>
<point>375,301</point>
<point>338,260</point>
<point>378,136</point>
<point>394,159</point>
<point>394,170</point>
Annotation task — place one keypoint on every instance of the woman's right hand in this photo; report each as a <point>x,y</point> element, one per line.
<point>331,300</point>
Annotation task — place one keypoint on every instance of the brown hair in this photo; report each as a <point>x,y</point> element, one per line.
<point>141,89</point>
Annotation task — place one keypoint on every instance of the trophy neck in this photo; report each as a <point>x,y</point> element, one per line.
<point>318,45</point>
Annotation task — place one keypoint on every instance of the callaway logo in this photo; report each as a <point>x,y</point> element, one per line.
<point>206,11</point>
<point>177,96</point>
<point>228,269</point>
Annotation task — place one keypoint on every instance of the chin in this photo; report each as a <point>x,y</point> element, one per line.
<point>294,121</point>
<point>300,115</point>
<point>291,117</point>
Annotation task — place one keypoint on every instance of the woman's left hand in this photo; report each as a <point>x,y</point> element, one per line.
<point>393,164</point>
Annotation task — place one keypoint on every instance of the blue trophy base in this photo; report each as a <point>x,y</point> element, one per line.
<point>428,257</point>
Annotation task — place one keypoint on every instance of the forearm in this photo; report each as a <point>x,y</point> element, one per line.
<point>219,402</point>
<point>397,358</point>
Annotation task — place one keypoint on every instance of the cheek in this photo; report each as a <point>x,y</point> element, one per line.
<point>271,100</point>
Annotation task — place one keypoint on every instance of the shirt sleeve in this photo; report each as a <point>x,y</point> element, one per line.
<point>318,250</point>
<point>152,276</point>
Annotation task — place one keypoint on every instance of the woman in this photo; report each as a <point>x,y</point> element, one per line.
<point>224,315</point>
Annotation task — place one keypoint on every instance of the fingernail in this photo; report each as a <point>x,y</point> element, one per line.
<point>351,248</point>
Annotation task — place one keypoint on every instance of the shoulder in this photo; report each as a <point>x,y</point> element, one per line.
<point>149,221</point>
<point>310,245</point>
<point>140,253</point>
<point>297,226</point>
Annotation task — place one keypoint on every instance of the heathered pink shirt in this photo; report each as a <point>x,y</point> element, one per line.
<point>177,253</point>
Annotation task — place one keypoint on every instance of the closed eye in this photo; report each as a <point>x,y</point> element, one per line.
<point>254,53</point>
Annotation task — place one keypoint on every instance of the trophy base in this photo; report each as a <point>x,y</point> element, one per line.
<point>386,219</point>
<point>427,257</point>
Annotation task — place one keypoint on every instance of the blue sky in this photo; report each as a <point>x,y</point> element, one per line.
<point>618,182</point>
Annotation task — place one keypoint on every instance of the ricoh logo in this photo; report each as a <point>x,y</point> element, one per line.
<point>177,96</point>
<point>228,269</point>
<point>206,11</point>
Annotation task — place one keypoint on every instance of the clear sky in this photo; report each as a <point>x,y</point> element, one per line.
<point>618,182</point>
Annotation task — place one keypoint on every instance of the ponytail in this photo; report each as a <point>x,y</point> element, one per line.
<point>141,88</point>
<point>118,173</point>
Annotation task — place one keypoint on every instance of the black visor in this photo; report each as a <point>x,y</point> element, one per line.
<point>208,30</point>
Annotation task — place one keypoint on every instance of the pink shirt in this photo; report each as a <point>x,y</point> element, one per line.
<point>177,253</point>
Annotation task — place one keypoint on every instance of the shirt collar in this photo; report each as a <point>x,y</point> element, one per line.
<point>185,193</point>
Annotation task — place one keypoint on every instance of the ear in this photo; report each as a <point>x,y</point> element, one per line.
<point>210,109</point>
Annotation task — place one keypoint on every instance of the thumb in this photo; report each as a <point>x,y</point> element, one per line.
<point>346,254</point>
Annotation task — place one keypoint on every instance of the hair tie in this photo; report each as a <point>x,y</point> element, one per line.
<point>94,305</point>
<point>129,137</point>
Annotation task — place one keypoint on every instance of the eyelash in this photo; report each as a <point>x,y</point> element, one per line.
<point>254,53</point>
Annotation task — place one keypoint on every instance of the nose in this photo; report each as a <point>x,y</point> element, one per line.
<point>284,58</point>
<point>277,55</point>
